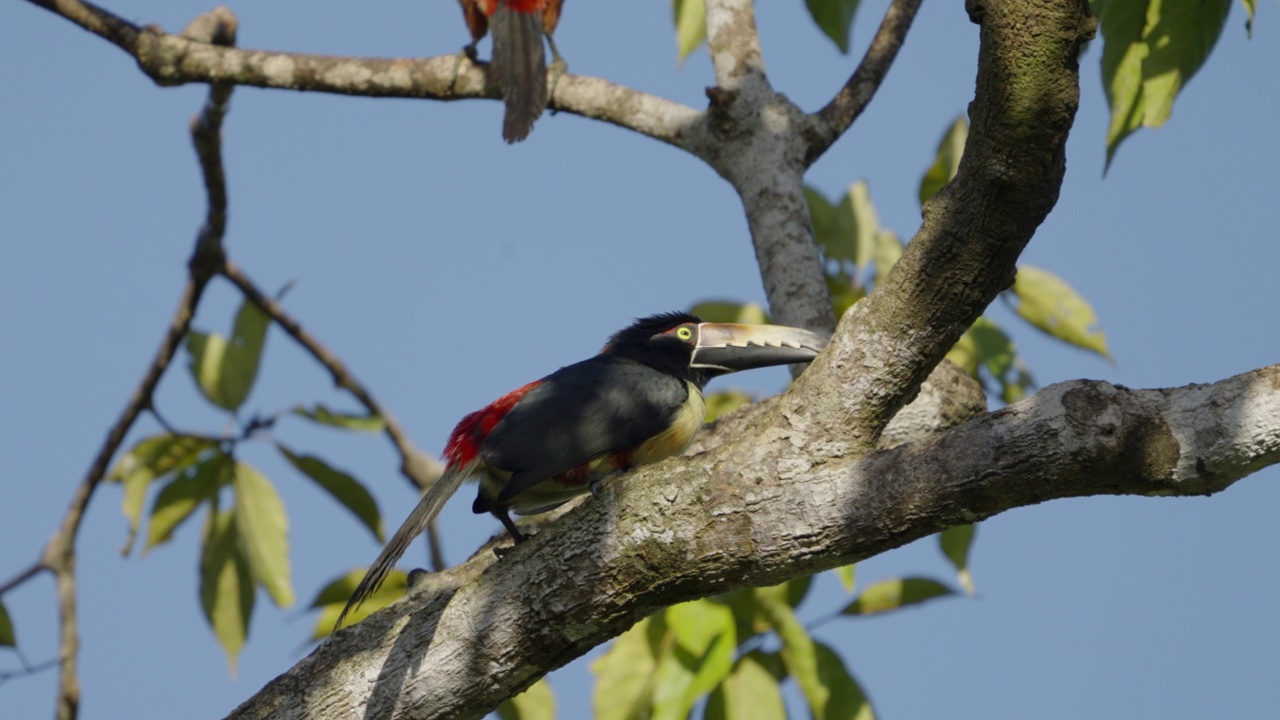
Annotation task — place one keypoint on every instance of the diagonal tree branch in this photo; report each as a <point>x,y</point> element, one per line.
<point>417,466</point>
<point>755,513</point>
<point>833,120</point>
<point>974,229</point>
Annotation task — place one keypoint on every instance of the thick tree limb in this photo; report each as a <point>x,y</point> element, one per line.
<point>759,511</point>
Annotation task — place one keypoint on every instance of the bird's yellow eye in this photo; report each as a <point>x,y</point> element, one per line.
<point>684,332</point>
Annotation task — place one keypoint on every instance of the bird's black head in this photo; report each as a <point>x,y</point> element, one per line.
<point>681,345</point>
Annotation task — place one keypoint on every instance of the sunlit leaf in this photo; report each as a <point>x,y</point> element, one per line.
<point>178,500</point>
<point>152,458</point>
<point>886,248</point>
<point>835,19</point>
<point>955,543</point>
<point>691,25</point>
<point>866,223</point>
<point>1048,302</point>
<point>727,311</point>
<point>895,594</point>
<point>8,638</point>
<point>345,489</point>
<point>1180,34</point>
<point>1123,50</point>
<point>847,578</point>
<point>224,369</point>
<point>226,587</point>
<point>537,702</point>
<point>750,692</point>
<point>799,654</point>
<point>946,161</point>
<point>706,643</point>
<point>624,674</point>
<point>333,597</point>
<point>724,402</point>
<point>346,421</point>
<point>845,698</point>
<point>1151,48</point>
<point>263,531</point>
<point>1249,7</point>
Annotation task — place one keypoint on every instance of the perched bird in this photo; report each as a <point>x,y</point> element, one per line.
<point>637,402</point>
<point>518,56</point>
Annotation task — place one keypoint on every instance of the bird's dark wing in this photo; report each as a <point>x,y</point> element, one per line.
<point>579,413</point>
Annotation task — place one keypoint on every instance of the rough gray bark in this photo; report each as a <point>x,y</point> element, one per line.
<point>768,506</point>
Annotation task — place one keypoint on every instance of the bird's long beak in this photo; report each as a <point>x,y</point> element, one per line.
<point>729,347</point>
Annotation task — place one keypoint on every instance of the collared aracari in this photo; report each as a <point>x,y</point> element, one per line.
<point>518,57</point>
<point>637,402</point>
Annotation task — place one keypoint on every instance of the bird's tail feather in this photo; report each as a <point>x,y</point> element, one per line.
<point>521,62</point>
<point>427,509</point>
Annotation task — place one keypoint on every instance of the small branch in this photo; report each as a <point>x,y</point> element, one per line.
<point>36,568</point>
<point>734,42</point>
<point>420,468</point>
<point>172,59</point>
<point>115,29</point>
<point>833,120</point>
<point>27,670</point>
<point>59,555</point>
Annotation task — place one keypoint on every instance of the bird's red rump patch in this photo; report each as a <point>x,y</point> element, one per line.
<point>524,6</point>
<point>464,441</point>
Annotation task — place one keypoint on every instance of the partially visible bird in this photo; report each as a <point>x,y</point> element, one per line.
<point>518,56</point>
<point>636,402</point>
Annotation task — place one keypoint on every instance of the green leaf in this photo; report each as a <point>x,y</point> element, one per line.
<point>895,594</point>
<point>152,458</point>
<point>799,654</point>
<point>346,421</point>
<point>535,703</point>
<point>344,488</point>
<point>624,674</point>
<point>727,311</point>
<point>750,692</point>
<point>1180,34</point>
<point>1249,7</point>
<point>835,19</point>
<point>834,226</point>
<point>1151,48</point>
<point>845,698</point>
<point>865,223</point>
<point>333,597</point>
<point>1123,50</point>
<point>946,160</point>
<point>846,575</point>
<point>263,530</point>
<point>225,369</point>
<point>724,402</point>
<point>706,642</point>
<point>955,543</point>
<point>178,500</point>
<point>8,638</point>
<point>886,248</point>
<point>1049,303</point>
<point>691,25</point>
<point>226,587</point>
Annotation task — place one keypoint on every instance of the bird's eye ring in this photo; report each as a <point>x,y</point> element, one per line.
<point>684,332</point>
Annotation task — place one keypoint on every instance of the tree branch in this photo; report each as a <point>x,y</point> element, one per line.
<point>760,510</point>
<point>734,43</point>
<point>170,59</point>
<point>974,229</point>
<point>833,120</point>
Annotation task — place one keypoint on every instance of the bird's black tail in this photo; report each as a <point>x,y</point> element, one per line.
<point>428,508</point>
<point>521,63</point>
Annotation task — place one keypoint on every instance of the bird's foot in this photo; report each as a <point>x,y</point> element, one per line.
<point>501,551</point>
<point>595,486</point>
<point>468,52</point>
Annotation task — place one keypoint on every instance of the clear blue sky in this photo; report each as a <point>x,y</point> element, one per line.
<point>446,268</point>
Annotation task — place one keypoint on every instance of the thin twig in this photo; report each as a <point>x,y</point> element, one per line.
<point>834,119</point>
<point>36,568</point>
<point>59,555</point>
<point>113,28</point>
<point>420,468</point>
